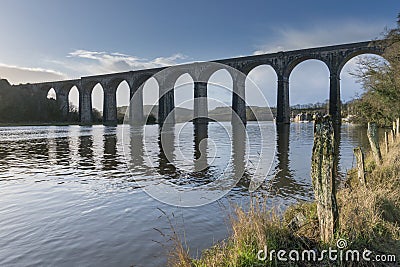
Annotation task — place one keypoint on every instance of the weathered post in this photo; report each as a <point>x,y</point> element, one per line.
<point>397,125</point>
<point>360,165</point>
<point>386,142</point>
<point>394,128</point>
<point>393,137</point>
<point>372,133</point>
<point>323,180</point>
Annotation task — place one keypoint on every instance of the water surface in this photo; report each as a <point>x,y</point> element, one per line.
<point>70,197</point>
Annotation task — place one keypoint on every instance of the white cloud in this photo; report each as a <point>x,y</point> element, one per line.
<point>321,35</point>
<point>93,62</point>
<point>17,74</point>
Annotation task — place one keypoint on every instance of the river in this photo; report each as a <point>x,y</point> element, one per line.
<point>75,196</point>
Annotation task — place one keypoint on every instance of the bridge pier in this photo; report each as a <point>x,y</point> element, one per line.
<point>110,107</point>
<point>334,98</point>
<point>85,105</point>
<point>62,102</point>
<point>283,105</point>
<point>239,99</point>
<point>200,103</point>
<point>136,115</point>
<point>166,104</point>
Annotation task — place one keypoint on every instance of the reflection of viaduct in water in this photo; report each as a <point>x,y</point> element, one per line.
<point>284,180</point>
<point>335,57</point>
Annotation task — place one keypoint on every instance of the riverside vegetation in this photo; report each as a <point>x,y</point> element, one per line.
<point>368,208</point>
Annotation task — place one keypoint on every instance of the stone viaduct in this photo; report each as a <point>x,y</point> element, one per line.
<point>335,57</point>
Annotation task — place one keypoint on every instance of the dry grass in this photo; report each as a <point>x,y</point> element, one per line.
<point>369,217</point>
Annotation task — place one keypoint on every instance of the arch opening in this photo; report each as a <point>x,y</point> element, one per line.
<point>220,88</point>
<point>309,89</point>
<point>97,103</point>
<point>73,100</point>
<point>183,95</point>
<point>123,99</point>
<point>51,94</point>
<point>150,100</point>
<point>261,83</point>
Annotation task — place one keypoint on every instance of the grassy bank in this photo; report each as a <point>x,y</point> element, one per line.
<point>369,218</point>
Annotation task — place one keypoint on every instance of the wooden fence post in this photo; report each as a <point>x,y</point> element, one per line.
<point>386,142</point>
<point>360,165</point>
<point>393,137</point>
<point>372,133</point>
<point>323,180</point>
<point>394,128</point>
<point>398,126</point>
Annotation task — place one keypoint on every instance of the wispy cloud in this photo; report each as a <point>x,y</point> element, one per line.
<point>320,35</point>
<point>16,74</point>
<point>94,62</point>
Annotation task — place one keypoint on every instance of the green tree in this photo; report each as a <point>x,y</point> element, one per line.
<point>380,79</point>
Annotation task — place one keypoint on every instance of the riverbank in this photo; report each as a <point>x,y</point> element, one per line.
<point>369,218</point>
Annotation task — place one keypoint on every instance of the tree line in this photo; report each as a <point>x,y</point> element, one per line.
<point>20,105</point>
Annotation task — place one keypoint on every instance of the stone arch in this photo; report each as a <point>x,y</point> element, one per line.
<point>209,71</point>
<point>257,63</point>
<point>295,62</point>
<point>353,54</point>
<point>115,82</point>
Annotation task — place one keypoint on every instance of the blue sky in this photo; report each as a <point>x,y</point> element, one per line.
<point>52,39</point>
